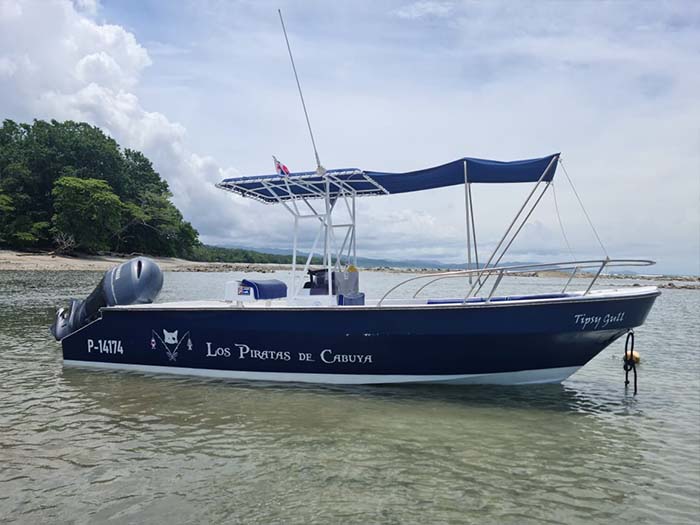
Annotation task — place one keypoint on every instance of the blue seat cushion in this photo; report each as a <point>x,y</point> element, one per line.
<point>352,299</point>
<point>266,289</point>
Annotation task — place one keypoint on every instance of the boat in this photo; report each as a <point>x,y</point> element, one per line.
<point>320,328</point>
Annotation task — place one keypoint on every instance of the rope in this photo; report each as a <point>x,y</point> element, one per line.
<point>629,363</point>
<point>561,224</point>
<point>590,222</point>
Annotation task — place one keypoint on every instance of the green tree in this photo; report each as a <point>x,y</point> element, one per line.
<point>6,208</point>
<point>156,226</point>
<point>87,210</point>
<point>140,177</point>
<point>34,157</point>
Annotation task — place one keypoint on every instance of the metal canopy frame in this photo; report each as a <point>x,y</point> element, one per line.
<point>329,186</point>
<point>321,184</point>
<point>304,186</point>
<point>478,280</point>
<point>332,188</point>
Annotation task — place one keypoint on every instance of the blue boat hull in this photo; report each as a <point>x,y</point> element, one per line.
<point>497,343</point>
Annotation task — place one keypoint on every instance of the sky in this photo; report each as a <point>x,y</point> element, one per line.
<point>205,89</point>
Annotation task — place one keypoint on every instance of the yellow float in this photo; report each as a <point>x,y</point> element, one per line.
<point>635,356</point>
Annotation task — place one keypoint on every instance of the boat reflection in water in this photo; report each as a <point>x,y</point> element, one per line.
<point>538,450</point>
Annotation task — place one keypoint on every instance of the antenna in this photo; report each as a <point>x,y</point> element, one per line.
<point>301,95</point>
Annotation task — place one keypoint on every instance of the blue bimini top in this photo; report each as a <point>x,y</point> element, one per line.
<point>312,184</point>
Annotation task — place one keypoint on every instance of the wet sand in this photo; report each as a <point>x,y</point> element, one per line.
<point>21,261</point>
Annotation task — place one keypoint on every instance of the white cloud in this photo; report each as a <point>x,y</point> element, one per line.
<point>10,9</point>
<point>90,7</point>
<point>424,9</point>
<point>7,67</point>
<point>99,68</point>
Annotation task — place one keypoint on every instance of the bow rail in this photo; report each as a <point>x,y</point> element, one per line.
<point>500,271</point>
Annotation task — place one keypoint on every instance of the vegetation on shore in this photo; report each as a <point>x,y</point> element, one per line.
<point>67,187</point>
<point>206,253</point>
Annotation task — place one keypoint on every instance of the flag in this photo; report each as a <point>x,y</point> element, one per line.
<point>280,168</point>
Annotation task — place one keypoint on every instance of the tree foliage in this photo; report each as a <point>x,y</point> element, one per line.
<point>86,210</point>
<point>68,180</point>
<point>207,253</point>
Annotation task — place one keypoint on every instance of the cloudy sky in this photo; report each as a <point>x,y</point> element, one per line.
<point>204,88</point>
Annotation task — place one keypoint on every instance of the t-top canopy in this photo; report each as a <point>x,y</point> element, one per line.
<point>309,184</point>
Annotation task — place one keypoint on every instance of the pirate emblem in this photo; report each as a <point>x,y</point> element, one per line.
<point>170,342</point>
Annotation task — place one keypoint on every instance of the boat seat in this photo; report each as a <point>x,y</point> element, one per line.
<point>267,288</point>
<point>502,298</point>
<point>351,299</point>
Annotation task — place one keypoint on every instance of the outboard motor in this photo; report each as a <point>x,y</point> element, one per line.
<point>137,281</point>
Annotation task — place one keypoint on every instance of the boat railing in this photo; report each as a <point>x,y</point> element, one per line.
<point>481,275</point>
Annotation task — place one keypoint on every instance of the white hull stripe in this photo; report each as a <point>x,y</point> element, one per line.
<point>523,377</point>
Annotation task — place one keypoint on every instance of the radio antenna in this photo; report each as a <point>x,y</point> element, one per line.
<point>301,95</point>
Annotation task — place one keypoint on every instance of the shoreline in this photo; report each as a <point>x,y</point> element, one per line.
<point>12,260</point>
<point>46,262</point>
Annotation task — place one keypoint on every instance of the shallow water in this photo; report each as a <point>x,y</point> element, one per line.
<point>86,446</point>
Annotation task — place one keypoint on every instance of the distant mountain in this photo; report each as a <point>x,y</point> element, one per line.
<point>368,262</point>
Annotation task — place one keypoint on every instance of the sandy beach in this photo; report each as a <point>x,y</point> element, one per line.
<point>21,261</point>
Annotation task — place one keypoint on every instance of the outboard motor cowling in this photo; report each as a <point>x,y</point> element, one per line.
<point>137,281</point>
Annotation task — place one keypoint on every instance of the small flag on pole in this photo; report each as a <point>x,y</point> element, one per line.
<point>280,168</point>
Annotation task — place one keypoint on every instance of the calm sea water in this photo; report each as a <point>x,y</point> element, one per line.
<point>83,446</point>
